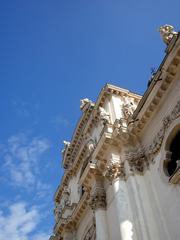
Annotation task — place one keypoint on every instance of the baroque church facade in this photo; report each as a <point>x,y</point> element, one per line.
<point>122,167</point>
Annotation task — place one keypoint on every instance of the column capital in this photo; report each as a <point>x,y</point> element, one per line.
<point>114,170</point>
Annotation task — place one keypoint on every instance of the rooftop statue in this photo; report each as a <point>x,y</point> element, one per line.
<point>84,102</point>
<point>167,32</point>
<point>66,143</point>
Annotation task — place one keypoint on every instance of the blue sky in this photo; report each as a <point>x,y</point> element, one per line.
<point>54,53</point>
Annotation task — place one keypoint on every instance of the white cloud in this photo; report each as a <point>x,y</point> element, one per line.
<point>20,223</point>
<point>22,157</point>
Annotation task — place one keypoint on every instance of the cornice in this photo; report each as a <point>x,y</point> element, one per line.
<point>156,91</point>
<point>72,221</point>
<point>101,145</point>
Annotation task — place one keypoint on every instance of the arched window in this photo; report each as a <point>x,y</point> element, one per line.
<point>173,162</point>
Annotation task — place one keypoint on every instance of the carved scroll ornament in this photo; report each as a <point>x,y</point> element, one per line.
<point>137,160</point>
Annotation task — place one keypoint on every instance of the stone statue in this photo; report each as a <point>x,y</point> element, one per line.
<point>104,116</point>
<point>66,145</point>
<point>58,212</point>
<point>90,146</point>
<point>128,110</point>
<point>84,102</point>
<point>167,32</point>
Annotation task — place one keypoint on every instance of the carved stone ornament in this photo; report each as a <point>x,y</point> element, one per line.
<point>84,102</point>
<point>98,198</point>
<point>103,115</point>
<point>137,160</point>
<point>114,170</point>
<point>58,212</point>
<point>167,32</point>
<point>66,196</point>
<point>90,146</point>
<point>128,109</point>
<point>158,139</point>
<point>91,233</point>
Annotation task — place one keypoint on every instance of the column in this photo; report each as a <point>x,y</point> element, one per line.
<point>98,205</point>
<point>115,173</point>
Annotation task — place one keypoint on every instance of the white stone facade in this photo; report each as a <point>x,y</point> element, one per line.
<point>118,182</point>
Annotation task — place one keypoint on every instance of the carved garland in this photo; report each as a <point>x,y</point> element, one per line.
<point>158,139</point>
<point>138,159</point>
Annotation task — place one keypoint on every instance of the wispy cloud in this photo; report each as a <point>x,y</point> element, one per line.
<point>22,157</point>
<point>20,223</point>
<point>23,108</point>
<point>59,121</point>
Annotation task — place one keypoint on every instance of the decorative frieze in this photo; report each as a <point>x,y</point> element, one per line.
<point>114,170</point>
<point>158,139</point>
<point>98,198</point>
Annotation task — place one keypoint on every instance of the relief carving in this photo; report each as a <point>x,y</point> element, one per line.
<point>158,139</point>
<point>98,198</point>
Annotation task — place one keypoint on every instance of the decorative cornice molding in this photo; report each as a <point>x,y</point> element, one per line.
<point>98,198</point>
<point>161,82</point>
